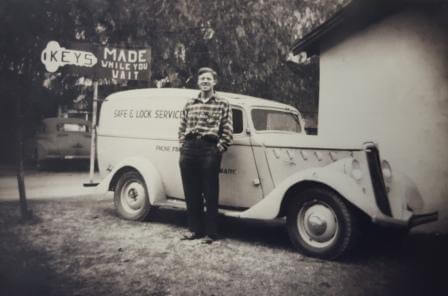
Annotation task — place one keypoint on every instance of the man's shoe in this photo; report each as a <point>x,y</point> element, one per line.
<point>192,236</point>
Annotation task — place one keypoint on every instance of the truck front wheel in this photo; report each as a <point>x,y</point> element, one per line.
<point>131,197</point>
<point>320,224</point>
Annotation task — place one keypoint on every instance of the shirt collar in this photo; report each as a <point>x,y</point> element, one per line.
<point>199,99</point>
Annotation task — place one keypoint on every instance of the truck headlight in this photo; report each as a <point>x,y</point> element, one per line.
<point>353,168</point>
<point>387,171</point>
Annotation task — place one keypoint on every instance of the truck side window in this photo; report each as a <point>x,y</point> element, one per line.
<point>273,120</point>
<point>237,121</point>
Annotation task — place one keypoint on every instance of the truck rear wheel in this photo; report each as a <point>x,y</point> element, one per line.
<point>131,197</point>
<point>320,224</point>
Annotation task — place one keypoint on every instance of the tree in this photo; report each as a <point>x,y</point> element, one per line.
<point>247,42</point>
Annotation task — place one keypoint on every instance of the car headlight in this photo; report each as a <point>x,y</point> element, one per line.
<point>387,171</point>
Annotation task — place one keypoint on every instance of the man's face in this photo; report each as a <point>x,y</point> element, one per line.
<point>206,82</point>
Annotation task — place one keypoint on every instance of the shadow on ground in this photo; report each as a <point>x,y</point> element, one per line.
<point>23,269</point>
<point>272,234</point>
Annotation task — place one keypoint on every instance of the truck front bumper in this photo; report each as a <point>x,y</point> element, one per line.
<point>423,219</point>
<point>414,220</point>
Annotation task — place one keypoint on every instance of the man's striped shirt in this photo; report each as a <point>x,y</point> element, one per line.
<point>212,118</point>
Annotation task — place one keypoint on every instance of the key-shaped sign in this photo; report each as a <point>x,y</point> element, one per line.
<point>55,56</point>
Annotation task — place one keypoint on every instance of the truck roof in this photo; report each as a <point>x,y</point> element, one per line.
<point>233,98</point>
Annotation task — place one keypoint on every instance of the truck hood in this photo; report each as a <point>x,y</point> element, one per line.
<point>294,140</point>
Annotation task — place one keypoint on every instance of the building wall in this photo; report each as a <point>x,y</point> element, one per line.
<point>389,83</point>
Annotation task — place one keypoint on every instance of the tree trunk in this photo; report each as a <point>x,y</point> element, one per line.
<point>26,214</point>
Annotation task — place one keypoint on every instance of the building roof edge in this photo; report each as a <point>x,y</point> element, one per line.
<point>356,13</point>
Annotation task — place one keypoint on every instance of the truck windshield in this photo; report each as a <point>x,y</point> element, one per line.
<point>273,120</point>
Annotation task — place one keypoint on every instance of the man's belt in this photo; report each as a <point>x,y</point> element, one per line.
<point>207,138</point>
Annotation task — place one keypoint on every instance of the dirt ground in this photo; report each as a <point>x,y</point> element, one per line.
<point>79,246</point>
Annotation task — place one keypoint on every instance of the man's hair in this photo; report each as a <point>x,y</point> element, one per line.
<point>209,70</point>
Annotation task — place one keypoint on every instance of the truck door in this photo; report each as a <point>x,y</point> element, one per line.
<point>239,180</point>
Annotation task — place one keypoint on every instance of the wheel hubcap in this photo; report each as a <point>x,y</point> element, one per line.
<point>133,195</point>
<point>317,224</point>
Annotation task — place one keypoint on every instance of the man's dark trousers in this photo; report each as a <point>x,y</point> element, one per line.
<point>200,161</point>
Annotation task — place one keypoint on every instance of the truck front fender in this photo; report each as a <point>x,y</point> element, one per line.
<point>269,207</point>
<point>145,168</point>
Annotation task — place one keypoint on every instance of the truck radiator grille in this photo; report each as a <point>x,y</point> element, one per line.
<point>376,173</point>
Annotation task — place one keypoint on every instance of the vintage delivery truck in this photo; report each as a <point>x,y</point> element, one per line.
<point>272,170</point>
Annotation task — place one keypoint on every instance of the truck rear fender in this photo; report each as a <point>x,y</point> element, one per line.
<point>145,168</point>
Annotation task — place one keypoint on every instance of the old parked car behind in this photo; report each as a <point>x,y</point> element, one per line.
<point>272,170</point>
<point>62,138</point>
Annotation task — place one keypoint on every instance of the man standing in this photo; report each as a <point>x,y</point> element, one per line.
<point>205,132</point>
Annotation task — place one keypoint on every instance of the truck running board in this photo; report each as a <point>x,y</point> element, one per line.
<point>180,204</point>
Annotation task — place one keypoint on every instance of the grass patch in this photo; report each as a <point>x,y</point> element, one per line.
<point>79,246</point>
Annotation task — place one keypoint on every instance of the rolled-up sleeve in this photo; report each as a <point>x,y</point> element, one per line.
<point>226,138</point>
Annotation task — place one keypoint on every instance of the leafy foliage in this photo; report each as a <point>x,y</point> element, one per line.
<point>247,42</point>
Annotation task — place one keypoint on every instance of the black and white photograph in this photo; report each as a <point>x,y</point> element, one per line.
<point>221,147</point>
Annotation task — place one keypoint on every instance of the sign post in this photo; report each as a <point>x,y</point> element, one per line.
<point>93,138</point>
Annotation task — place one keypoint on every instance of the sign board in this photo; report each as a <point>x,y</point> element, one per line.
<point>55,56</point>
<point>124,64</point>
<point>98,61</point>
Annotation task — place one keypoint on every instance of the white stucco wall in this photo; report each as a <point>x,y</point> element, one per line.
<point>389,83</point>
